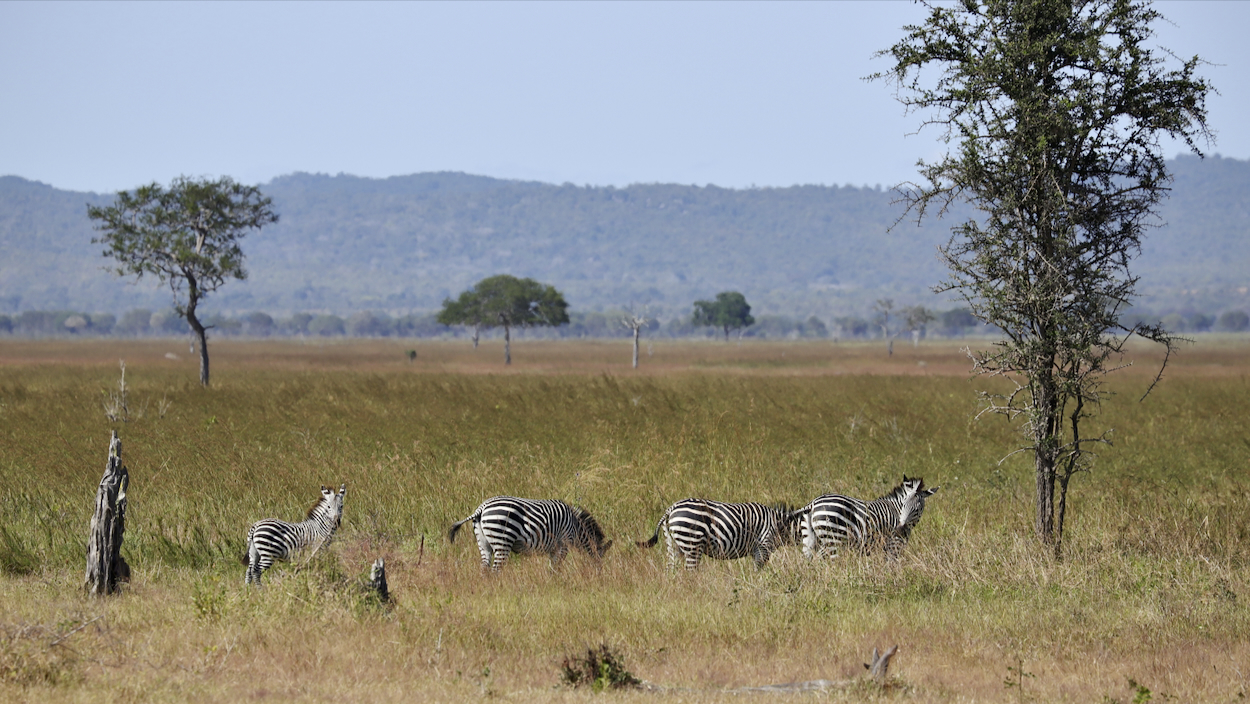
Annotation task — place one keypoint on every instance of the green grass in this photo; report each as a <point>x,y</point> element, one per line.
<point>1153,586</point>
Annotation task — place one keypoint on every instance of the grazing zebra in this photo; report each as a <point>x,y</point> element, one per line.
<point>698,527</point>
<point>831,520</point>
<point>506,524</point>
<point>271,539</point>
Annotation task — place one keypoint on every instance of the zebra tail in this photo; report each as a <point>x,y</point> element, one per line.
<point>455,528</point>
<point>655,538</point>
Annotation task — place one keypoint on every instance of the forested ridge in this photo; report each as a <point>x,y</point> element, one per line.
<point>404,243</point>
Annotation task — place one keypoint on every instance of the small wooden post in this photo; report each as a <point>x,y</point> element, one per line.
<point>106,567</point>
<point>377,580</point>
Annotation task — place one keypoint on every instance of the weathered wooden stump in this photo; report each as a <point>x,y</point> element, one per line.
<point>377,580</point>
<point>106,568</point>
<point>880,663</point>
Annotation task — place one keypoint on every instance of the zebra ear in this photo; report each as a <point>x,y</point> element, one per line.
<point>342,488</point>
<point>932,491</point>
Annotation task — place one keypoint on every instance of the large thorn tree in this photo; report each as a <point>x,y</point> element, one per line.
<point>187,236</point>
<point>509,302</point>
<point>1055,110</point>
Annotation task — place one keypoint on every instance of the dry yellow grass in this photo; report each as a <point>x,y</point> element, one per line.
<point>1153,588</point>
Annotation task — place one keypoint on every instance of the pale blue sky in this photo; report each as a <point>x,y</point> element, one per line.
<point>105,96</point>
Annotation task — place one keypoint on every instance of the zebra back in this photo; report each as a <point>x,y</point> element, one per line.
<point>833,519</point>
<point>724,531</point>
<point>505,524</point>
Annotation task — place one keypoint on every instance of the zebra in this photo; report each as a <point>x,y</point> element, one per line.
<point>506,524</point>
<point>831,520</point>
<point>698,527</point>
<point>270,539</point>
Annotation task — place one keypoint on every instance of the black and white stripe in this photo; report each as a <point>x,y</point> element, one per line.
<point>506,524</point>
<point>832,520</point>
<point>697,527</point>
<point>271,539</point>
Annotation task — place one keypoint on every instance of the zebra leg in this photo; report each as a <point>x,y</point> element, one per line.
<point>672,549</point>
<point>501,556</point>
<point>810,542</point>
<point>761,554</point>
<point>692,559</point>
<point>483,545</point>
<point>557,556</point>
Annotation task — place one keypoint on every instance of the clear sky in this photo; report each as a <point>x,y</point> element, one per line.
<point>105,96</point>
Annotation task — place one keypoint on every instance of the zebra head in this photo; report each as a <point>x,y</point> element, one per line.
<point>329,508</point>
<point>911,494</point>
<point>590,535</point>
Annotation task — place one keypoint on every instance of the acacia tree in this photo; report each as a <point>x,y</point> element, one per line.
<point>465,310</point>
<point>1056,109</point>
<point>187,236</point>
<point>729,312</point>
<point>506,301</point>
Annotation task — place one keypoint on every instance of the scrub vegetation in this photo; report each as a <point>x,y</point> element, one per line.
<point>1151,594</point>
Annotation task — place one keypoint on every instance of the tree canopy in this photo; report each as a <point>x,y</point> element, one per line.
<point>1056,109</point>
<point>729,312</point>
<point>188,236</point>
<point>508,302</point>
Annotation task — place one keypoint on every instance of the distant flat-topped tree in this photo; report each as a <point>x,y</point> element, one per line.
<point>729,312</point>
<point>187,236</point>
<point>509,302</point>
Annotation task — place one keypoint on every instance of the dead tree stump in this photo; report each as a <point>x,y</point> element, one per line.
<point>880,663</point>
<point>106,568</point>
<point>377,580</point>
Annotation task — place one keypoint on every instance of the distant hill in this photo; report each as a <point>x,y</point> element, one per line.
<point>403,244</point>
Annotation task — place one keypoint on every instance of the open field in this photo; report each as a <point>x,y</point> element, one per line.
<point>1154,586</point>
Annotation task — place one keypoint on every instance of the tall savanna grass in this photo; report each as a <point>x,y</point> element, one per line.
<point>1153,585</point>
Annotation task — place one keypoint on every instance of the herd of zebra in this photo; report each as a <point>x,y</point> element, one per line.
<point>693,528</point>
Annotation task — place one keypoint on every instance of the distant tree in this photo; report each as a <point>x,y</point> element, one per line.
<point>187,236</point>
<point>815,327</point>
<point>6,324</point>
<point>326,325</point>
<point>728,312</point>
<point>881,318</point>
<point>1057,109</point>
<point>1233,321</point>
<point>957,321</point>
<point>258,324</point>
<point>102,323</point>
<point>916,318</point>
<point>298,323</point>
<point>636,322</point>
<point>465,310</point>
<point>508,302</point>
<point>134,322</point>
<point>1200,322</point>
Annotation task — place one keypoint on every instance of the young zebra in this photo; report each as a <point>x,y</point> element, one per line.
<point>506,524</point>
<point>270,539</point>
<point>698,527</point>
<point>831,520</point>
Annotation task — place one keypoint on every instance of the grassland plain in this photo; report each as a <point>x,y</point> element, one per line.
<point>1153,588</point>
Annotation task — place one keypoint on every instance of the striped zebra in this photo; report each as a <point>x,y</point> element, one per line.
<point>506,524</point>
<point>270,539</point>
<point>698,527</point>
<point>831,520</point>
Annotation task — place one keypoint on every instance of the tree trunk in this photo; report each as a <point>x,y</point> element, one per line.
<point>507,344</point>
<point>726,333</point>
<point>193,299</point>
<point>105,566</point>
<point>476,329</point>
<point>1046,443</point>
<point>636,331</point>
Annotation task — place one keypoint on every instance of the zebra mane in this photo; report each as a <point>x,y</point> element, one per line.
<point>326,497</point>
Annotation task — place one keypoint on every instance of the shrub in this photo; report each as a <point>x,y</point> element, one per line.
<point>599,669</point>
